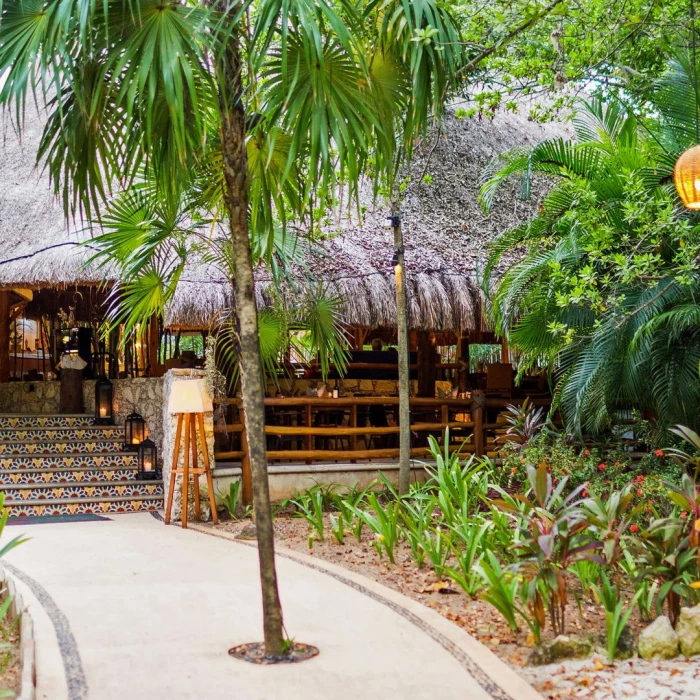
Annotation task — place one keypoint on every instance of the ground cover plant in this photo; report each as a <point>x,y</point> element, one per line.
<point>548,537</point>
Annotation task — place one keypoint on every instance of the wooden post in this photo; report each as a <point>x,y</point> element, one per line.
<point>427,360</point>
<point>195,466</point>
<point>186,472</point>
<point>404,368</point>
<point>173,469</point>
<point>478,411</point>
<point>4,336</point>
<point>153,345</point>
<point>353,424</point>
<point>463,360</point>
<point>308,422</point>
<point>246,472</point>
<point>505,354</point>
<point>207,467</point>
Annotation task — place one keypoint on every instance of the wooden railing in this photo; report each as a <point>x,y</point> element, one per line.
<point>304,422</point>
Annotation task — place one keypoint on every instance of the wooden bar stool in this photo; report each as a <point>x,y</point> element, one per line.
<point>188,400</point>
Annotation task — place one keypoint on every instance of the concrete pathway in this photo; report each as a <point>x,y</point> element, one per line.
<point>130,608</point>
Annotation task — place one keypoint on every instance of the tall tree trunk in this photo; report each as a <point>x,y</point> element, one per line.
<point>235,163</point>
<point>404,365</point>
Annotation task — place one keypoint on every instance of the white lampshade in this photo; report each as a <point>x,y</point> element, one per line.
<point>189,396</point>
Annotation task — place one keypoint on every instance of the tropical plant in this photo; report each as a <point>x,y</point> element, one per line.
<point>468,547</point>
<point>663,555</point>
<point>310,506</point>
<point>502,589</point>
<point>458,487</point>
<point>337,524</point>
<point>15,541</point>
<point>604,293</point>
<point>647,589</point>
<point>436,544</point>
<point>587,572</point>
<point>610,517</point>
<point>525,422</point>
<point>616,614</point>
<point>553,535</point>
<point>383,520</point>
<point>416,515</point>
<point>232,499</point>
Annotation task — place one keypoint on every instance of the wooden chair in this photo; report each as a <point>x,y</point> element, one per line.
<point>499,380</point>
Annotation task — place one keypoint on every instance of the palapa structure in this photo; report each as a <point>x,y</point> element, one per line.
<point>43,257</point>
<point>445,229</point>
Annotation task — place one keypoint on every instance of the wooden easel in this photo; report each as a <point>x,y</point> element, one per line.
<point>194,423</point>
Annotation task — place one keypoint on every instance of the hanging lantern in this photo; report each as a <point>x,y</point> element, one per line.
<point>686,175</point>
<point>104,394</point>
<point>148,461</point>
<point>134,431</point>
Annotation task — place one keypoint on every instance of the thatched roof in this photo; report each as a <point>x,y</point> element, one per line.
<point>444,228</point>
<point>445,232</point>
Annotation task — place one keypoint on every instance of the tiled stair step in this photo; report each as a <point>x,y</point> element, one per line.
<point>67,492</point>
<point>76,506</point>
<point>124,460</point>
<point>60,447</point>
<point>30,420</point>
<point>75,475</point>
<point>95,432</point>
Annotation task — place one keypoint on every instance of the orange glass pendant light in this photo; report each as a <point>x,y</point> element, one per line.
<point>686,175</point>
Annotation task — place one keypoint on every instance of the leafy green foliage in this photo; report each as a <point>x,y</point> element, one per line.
<point>232,501</point>
<point>616,615</point>
<point>553,535</point>
<point>603,295</point>
<point>664,556</point>
<point>310,506</point>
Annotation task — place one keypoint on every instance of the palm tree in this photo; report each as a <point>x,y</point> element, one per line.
<point>142,92</point>
<point>603,286</point>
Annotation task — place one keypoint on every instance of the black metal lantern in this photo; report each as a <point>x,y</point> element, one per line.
<point>134,431</point>
<point>104,394</point>
<point>148,460</point>
<point>103,364</point>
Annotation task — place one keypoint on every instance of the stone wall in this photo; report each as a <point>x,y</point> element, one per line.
<point>144,395</point>
<point>169,423</point>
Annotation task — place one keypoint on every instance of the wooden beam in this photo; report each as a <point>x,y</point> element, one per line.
<point>153,345</point>
<point>463,361</point>
<point>505,354</point>
<point>4,336</point>
<point>427,357</point>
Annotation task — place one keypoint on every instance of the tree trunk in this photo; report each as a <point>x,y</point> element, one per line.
<point>404,365</point>
<point>233,132</point>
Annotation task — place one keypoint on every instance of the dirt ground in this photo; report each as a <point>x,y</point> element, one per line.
<point>590,678</point>
<point>10,667</point>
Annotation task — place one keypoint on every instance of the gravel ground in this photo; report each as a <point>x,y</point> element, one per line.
<point>591,678</point>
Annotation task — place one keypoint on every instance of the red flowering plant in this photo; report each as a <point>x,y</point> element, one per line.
<point>553,534</point>
<point>610,517</point>
<point>686,495</point>
<point>663,555</point>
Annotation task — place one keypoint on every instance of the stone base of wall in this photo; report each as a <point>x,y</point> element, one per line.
<point>144,395</point>
<point>287,480</point>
